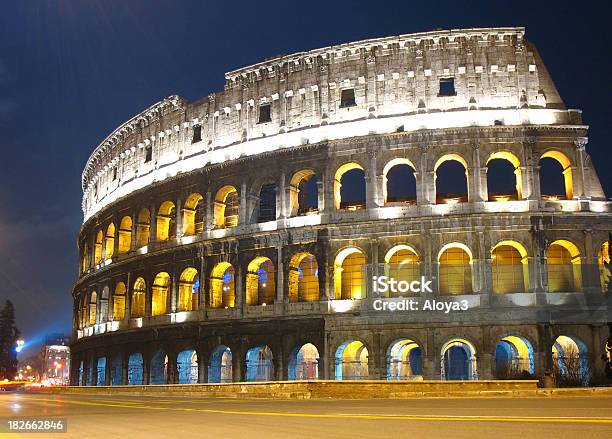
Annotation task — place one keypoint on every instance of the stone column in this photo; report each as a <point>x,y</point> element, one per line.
<point>282,209</point>
<point>321,201</point>
<point>124,368</point>
<point>280,281</point>
<point>580,182</point>
<point>242,209</point>
<point>107,370</point>
<point>209,223</point>
<point>237,364</point>
<point>173,300</point>
<point>180,215</point>
<point>172,376</point>
<point>134,234</point>
<point>149,296</point>
<point>375,358</point>
<point>372,189</point>
<point>153,227</point>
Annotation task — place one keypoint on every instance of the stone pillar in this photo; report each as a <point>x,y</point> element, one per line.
<point>149,297</point>
<point>321,201</point>
<point>128,298</point>
<point>180,215</point>
<point>117,223</point>
<point>598,363</point>
<point>124,368</point>
<point>173,300</point>
<point>242,209</point>
<point>281,372</point>
<point>107,370</point>
<point>209,222</point>
<point>431,363</point>
<point>375,358</point>
<point>172,373</point>
<point>280,280</point>
<point>237,364</point>
<point>153,227</point>
<point>371,186</point>
<point>146,369</point>
<point>94,370</point>
<point>579,183</point>
<point>239,288</point>
<point>202,300</point>
<point>282,209</point>
<point>202,367</point>
<point>134,234</point>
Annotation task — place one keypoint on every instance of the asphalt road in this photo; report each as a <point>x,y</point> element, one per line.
<point>168,417</point>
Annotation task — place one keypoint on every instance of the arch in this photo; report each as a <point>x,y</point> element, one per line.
<point>161,294</point>
<point>98,247</point>
<point>266,209</point>
<point>187,367</point>
<point>514,161</point>
<point>303,193</point>
<point>451,198</point>
<point>93,308</point>
<point>304,362</point>
<point>189,290</point>
<point>143,227</point>
<point>158,368</point>
<point>458,360</point>
<point>119,301</point>
<point>260,282</point>
<point>103,308</point>
<point>455,269</point>
<point>348,274</point>
<point>193,215</point>
<point>220,365</point>
<point>402,264</point>
<point>340,173</point>
<point>351,361</point>
<point>226,207</point>
<point>514,358</point>
<point>603,261</point>
<point>115,371</point>
<point>303,278</point>
<point>125,235</point>
<point>135,369</point>
<point>101,372</point>
<point>259,364</point>
<point>404,360</point>
<point>570,361</point>
<point>139,293</point>
<point>399,181</point>
<point>109,241</point>
<point>222,286</point>
<point>166,221</point>
<point>510,267</point>
<point>566,165</point>
<point>563,266</point>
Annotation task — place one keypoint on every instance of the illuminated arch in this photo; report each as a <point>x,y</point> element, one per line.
<point>460,197</point>
<point>220,365</point>
<point>351,361</point>
<point>119,301</point>
<point>348,276</point>
<point>83,311</point>
<point>567,170</point>
<point>161,294</point>
<point>166,221</point>
<point>139,293</point>
<point>222,288</point>
<point>158,368</point>
<point>603,261</point>
<point>304,362</point>
<point>516,163</point>
<point>298,192</point>
<point>404,360</point>
<point>85,258</point>
<point>563,266</point>
<point>510,267</point>
<point>189,290</point>
<point>338,181</point>
<point>401,162</point>
<point>125,234</point>
<point>187,366</point>
<point>226,207</point>
<point>259,364</point>
<point>514,358</point>
<point>402,263</point>
<point>458,360</point>
<point>143,226</point>
<point>260,282</point>
<point>455,269</point>
<point>135,369</point>
<point>93,308</point>
<point>193,215</point>
<point>570,361</point>
<point>109,241</point>
<point>98,247</point>
<point>303,278</point>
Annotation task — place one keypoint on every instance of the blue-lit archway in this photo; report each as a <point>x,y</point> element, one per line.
<point>259,364</point>
<point>135,369</point>
<point>159,368</point>
<point>187,366</point>
<point>304,362</point>
<point>220,365</point>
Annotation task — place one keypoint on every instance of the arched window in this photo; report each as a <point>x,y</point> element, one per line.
<point>158,368</point>
<point>220,365</point>
<point>85,258</point>
<point>125,234</point>
<point>304,363</point>
<point>142,228</point>
<point>93,308</point>
<point>166,221</point>
<point>193,215</point>
<point>303,193</point>
<point>399,182</point>
<point>222,293</point>
<point>103,308</point>
<point>119,301</point>
<point>189,290</point>
<point>402,264</point>
<point>404,360</point>
<point>135,369</point>
<point>115,371</point>
<point>603,260</point>
<point>510,269</point>
<point>109,242</point>
<point>161,289</point>
<point>303,278</point>
<point>556,176</point>
<point>259,364</point>
<point>187,367</point>
<point>226,207</point>
<point>451,179</point>
<point>455,269</point>
<point>83,311</point>
<point>267,203</point>
<point>139,293</point>
<point>261,282</point>
<point>570,362</point>
<point>350,187</point>
<point>514,358</point>
<point>351,361</point>
<point>458,360</point>
<point>348,274</point>
<point>101,371</point>
<point>98,247</point>
<point>563,267</point>
<point>504,179</point>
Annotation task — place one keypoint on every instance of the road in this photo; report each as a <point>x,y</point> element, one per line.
<point>176,417</point>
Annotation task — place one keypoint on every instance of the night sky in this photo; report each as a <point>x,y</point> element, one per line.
<point>72,71</point>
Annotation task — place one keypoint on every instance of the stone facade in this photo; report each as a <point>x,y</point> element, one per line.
<point>365,106</point>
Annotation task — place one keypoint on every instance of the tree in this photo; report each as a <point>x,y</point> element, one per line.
<point>8,342</point>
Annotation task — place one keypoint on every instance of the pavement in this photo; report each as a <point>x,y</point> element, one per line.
<point>100,416</point>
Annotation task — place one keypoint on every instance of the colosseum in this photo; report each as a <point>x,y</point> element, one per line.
<point>237,237</point>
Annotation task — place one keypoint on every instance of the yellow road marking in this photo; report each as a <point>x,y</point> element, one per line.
<point>465,418</point>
